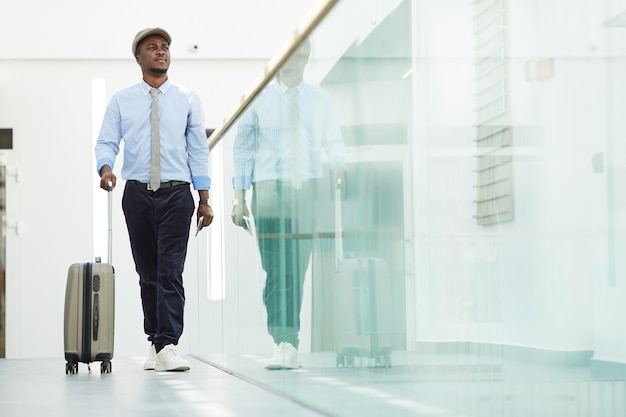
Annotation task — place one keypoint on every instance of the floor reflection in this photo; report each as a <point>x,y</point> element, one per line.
<point>439,385</point>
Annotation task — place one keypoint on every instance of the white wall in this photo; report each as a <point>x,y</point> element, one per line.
<point>548,299</point>
<point>48,60</point>
<point>98,29</point>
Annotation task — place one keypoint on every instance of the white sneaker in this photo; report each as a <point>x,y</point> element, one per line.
<point>168,359</point>
<point>150,363</point>
<point>285,357</point>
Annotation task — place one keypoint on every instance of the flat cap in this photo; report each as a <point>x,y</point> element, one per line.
<point>147,32</point>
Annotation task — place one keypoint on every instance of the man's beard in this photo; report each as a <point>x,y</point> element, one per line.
<point>158,71</point>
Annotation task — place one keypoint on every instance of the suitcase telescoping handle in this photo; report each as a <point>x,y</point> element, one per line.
<point>110,220</point>
<point>338,226</point>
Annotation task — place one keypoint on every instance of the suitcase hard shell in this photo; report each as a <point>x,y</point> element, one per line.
<point>89,315</point>
<point>89,319</point>
<point>362,312</point>
<point>362,304</point>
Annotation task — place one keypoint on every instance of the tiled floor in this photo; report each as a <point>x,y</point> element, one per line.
<point>40,387</point>
<point>233,386</point>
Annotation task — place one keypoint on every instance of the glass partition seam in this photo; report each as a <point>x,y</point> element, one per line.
<point>307,405</point>
<point>270,71</point>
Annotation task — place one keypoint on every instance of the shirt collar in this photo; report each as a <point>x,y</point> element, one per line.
<point>282,88</point>
<point>145,87</point>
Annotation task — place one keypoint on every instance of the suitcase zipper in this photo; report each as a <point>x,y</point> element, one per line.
<point>96,316</point>
<point>86,339</point>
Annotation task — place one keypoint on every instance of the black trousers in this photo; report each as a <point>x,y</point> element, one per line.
<point>285,223</point>
<point>158,227</point>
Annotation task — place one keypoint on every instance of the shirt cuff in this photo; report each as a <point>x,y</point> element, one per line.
<point>242,183</point>
<point>201,182</point>
<point>103,162</point>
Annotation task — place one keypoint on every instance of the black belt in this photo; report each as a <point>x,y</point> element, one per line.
<point>163,184</point>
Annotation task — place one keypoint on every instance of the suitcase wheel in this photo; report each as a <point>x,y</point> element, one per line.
<point>340,361</point>
<point>106,367</point>
<point>345,361</point>
<point>71,368</point>
<point>383,361</point>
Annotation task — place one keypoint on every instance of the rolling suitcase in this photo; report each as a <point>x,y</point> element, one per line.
<point>362,305</point>
<point>90,310</point>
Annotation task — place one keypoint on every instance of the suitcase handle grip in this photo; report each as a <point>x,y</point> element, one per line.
<point>338,227</point>
<point>110,225</point>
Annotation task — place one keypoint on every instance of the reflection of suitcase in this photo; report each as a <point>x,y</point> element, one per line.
<point>90,312</point>
<point>362,304</point>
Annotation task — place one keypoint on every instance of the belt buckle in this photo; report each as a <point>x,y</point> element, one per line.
<point>149,187</point>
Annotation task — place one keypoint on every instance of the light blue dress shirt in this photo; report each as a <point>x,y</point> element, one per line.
<point>262,148</point>
<point>184,146</point>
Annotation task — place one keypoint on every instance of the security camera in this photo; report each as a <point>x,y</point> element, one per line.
<point>194,47</point>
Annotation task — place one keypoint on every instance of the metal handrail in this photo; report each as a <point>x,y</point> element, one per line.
<point>272,67</point>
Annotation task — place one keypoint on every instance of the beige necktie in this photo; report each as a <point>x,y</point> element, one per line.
<point>155,169</point>
<point>295,121</point>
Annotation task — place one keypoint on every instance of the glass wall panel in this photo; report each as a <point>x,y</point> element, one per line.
<point>433,218</point>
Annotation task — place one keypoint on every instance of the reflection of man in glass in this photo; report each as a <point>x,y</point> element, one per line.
<point>277,151</point>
